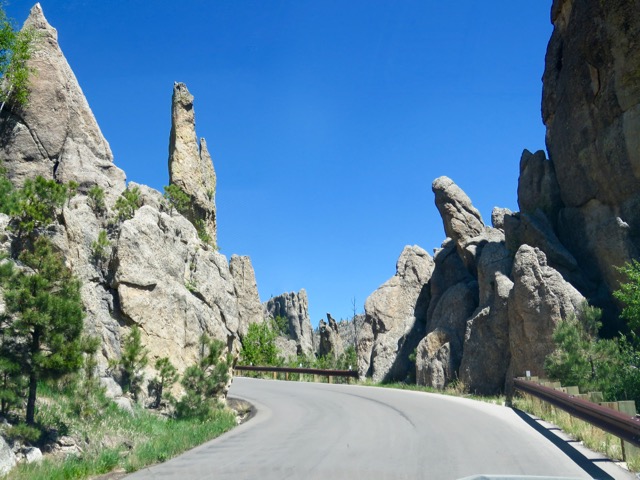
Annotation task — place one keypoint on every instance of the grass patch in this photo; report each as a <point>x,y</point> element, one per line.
<point>455,389</point>
<point>110,438</point>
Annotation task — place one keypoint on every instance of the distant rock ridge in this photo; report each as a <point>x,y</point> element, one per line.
<point>157,273</point>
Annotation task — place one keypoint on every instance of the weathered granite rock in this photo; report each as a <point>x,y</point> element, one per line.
<point>591,108</point>
<point>190,165</point>
<point>535,230</point>
<point>56,135</point>
<point>540,298</point>
<point>591,100</point>
<point>8,459</point>
<point>172,288</point>
<point>32,455</point>
<point>295,308</point>
<point>449,317</point>
<point>497,217</point>
<point>350,330</point>
<point>435,364</point>
<point>448,271</point>
<point>486,357</point>
<point>246,291</point>
<point>462,221</point>
<point>538,188</point>
<point>330,341</point>
<point>287,348</point>
<point>396,312</point>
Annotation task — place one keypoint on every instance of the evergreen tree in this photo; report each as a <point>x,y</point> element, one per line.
<point>132,361</point>
<point>205,381</point>
<point>16,48</point>
<point>167,376</point>
<point>45,317</point>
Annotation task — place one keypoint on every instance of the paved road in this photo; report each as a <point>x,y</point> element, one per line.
<point>331,432</point>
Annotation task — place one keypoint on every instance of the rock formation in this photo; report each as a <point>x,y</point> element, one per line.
<point>246,290</point>
<point>591,108</point>
<point>156,273</point>
<point>497,293</point>
<point>330,342</point>
<point>190,165</point>
<point>295,308</point>
<point>395,316</point>
<point>56,135</point>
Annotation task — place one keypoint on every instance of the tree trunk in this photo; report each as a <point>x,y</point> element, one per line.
<point>33,379</point>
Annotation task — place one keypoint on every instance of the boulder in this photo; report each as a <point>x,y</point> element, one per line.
<point>539,299</point>
<point>56,135</point>
<point>462,221</point>
<point>396,312</point>
<point>246,291</point>
<point>295,308</point>
<point>435,364</point>
<point>190,164</point>
<point>8,459</point>
<point>33,455</point>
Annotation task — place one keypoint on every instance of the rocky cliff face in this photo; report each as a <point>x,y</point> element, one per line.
<point>157,273</point>
<point>591,108</point>
<point>496,293</point>
<point>295,308</point>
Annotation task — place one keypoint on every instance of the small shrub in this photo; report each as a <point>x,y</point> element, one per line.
<point>23,432</point>
<point>133,360</point>
<point>205,381</point>
<point>100,247</point>
<point>177,198</point>
<point>167,376</point>
<point>96,200</point>
<point>127,204</point>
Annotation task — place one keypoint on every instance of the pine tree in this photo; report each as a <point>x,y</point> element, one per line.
<point>45,317</point>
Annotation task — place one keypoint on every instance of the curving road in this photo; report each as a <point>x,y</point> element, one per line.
<point>330,432</point>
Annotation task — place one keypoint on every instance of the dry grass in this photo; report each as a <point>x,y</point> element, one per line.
<point>592,437</point>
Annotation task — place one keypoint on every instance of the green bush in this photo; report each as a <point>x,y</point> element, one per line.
<point>127,204</point>
<point>204,382</point>
<point>96,200</point>
<point>259,345</point>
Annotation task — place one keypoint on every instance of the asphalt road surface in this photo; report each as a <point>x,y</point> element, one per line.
<point>330,432</point>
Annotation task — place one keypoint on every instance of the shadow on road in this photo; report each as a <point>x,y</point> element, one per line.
<point>588,465</point>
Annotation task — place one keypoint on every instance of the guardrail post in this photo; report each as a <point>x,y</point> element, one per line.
<point>330,378</point>
<point>628,450</point>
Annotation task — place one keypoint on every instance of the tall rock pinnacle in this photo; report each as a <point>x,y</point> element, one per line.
<point>190,165</point>
<point>56,134</point>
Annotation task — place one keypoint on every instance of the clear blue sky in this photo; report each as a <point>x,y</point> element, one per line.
<point>327,120</point>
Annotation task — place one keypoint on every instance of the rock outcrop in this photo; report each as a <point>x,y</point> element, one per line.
<point>330,342</point>
<point>591,108</point>
<point>295,308</point>
<point>56,135</point>
<point>540,298</point>
<point>395,317</point>
<point>246,290</point>
<point>190,165</point>
<point>156,272</point>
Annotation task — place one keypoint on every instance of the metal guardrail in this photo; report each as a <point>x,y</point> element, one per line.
<point>623,426</point>
<point>310,371</point>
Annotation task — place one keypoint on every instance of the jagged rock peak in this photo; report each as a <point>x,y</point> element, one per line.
<point>56,135</point>
<point>190,164</point>
<point>462,221</point>
<point>294,307</point>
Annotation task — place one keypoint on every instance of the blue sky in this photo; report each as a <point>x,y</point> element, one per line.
<point>327,120</point>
